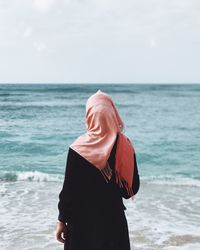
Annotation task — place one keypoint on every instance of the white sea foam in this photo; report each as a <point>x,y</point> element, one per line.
<point>158,217</point>
<point>31,176</point>
<point>38,176</point>
<point>46,177</point>
<point>171,180</point>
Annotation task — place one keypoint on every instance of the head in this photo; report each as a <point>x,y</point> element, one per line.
<point>101,115</point>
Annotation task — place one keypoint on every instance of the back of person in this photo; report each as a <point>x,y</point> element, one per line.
<point>92,207</point>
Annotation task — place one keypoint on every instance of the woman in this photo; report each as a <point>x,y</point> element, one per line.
<point>101,168</point>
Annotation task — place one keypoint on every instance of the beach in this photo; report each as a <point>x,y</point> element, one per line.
<point>157,217</point>
<point>39,122</point>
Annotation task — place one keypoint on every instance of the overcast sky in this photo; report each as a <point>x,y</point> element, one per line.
<point>100,41</point>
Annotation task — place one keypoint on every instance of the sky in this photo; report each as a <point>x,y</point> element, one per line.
<point>99,41</point>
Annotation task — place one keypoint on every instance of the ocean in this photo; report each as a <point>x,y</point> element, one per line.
<point>39,122</point>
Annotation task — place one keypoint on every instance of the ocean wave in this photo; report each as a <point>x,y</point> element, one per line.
<point>31,176</point>
<point>171,180</point>
<point>38,176</point>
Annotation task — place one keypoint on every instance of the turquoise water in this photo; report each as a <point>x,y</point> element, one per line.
<point>39,122</point>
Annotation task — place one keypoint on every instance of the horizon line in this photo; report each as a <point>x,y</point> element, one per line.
<point>99,83</point>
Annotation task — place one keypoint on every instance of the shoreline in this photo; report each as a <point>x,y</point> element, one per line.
<point>155,221</point>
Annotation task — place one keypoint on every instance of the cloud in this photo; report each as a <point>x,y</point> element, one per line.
<point>39,46</point>
<point>43,5</point>
<point>27,32</point>
<point>152,43</point>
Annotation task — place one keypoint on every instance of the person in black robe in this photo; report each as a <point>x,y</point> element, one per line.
<point>91,211</point>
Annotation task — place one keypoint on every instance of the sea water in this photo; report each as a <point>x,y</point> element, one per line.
<point>39,122</point>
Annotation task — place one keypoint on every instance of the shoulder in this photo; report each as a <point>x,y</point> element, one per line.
<point>71,151</point>
<point>74,156</point>
<point>73,164</point>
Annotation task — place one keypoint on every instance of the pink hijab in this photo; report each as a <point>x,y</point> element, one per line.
<point>103,123</point>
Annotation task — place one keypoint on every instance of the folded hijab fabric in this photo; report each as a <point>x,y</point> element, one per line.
<point>103,123</point>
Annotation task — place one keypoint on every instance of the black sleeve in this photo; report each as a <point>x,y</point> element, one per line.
<point>65,204</point>
<point>136,181</point>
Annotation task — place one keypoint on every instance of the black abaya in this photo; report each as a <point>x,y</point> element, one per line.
<point>92,208</point>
